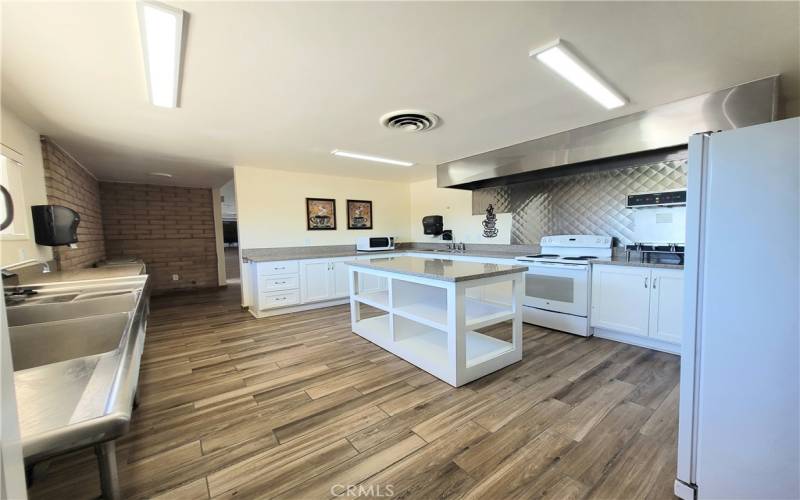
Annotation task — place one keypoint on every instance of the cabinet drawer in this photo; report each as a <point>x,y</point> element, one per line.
<point>278,267</point>
<point>278,282</point>
<point>272,300</point>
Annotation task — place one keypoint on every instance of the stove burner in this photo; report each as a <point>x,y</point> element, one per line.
<point>582,257</point>
<point>541,255</point>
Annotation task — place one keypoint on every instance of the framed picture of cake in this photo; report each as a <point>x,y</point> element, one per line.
<point>320,214</point>
<point>359,214</point>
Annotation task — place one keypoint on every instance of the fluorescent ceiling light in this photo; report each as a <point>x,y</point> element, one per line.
<point>161,28</point>
<point>565,63</point>
<point>359,156</point>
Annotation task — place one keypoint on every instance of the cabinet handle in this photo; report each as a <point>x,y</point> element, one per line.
<point>654,283</point>
<point>282,267</point>
<point>645,281</point>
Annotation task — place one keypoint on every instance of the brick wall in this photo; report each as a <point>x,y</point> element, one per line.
<point>170,228</point>
<point>70,185</point>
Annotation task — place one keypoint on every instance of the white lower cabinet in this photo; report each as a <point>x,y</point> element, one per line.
<point>324,279</point>
<point>271,300</point>
<point>341,277</point>
<point>316,280</point>
<point>641,301</point>
<point>621,298</point>
<point>306,284</point>
<point>666,305</point>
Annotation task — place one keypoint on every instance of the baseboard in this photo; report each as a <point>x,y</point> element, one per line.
<point>650,343</point>
<point>299,308</point>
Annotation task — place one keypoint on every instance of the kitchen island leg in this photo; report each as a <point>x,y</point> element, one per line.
<point>107,464</point>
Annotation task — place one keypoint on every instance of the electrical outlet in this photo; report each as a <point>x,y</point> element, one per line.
<point>175,277</point>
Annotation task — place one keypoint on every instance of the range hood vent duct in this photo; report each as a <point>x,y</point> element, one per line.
<point>665,127</point>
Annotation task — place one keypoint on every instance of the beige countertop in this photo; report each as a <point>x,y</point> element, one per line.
<point>621,261</point>
<point>438,269</point>
<point>273,254</point>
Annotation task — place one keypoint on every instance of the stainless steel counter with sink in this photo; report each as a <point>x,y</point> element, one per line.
<point>76,348</point>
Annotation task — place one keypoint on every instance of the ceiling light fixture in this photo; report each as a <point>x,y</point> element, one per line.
<point>561,60</point>
<point>161,174</point>
<point>161,29</point>
<point>379,159</point>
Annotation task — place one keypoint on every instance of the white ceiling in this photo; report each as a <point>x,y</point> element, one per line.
<point>279,85</point>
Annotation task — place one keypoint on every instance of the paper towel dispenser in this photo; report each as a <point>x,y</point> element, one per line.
<point>433,224</point>
<point>54,225</point>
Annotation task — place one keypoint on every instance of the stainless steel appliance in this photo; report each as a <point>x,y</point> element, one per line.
<point>374,243</point>
<point>739,414</point>
<point>659,226</point>
<point>557,281</point>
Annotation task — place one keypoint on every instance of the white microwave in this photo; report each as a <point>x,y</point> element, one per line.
<point>374,244</point>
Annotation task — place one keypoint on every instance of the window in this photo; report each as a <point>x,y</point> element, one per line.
<point>11,179</point>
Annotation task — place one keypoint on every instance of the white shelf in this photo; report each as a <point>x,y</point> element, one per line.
<point>478,314</point>
<point>376,330</point>
<point>481,348</point>
<point>375,299</point>
<point>431,347</point>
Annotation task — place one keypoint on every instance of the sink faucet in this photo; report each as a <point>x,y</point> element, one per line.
<point>45,267</point>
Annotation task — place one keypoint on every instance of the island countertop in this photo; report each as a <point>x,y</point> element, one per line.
<point>438,269</point>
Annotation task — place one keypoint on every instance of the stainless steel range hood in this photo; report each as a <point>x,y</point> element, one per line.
<point>660,128</point>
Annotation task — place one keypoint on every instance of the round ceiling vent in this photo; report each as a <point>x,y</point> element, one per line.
<point>410,120</point>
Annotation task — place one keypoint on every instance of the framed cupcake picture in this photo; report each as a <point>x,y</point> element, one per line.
<point>320,214</point>
<point>359,214</point>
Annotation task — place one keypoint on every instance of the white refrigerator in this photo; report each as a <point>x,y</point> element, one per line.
<point>739,430</point>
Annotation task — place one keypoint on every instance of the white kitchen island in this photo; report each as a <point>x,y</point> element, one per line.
<point>430,317</point>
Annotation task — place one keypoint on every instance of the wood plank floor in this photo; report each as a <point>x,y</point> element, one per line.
<point>291,406</point>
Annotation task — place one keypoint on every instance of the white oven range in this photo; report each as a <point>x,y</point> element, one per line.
<point>557,281</point>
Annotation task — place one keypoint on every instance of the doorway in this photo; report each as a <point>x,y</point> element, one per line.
<point>230,233</point>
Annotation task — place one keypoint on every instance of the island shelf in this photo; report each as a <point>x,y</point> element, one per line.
<point>431,321</point>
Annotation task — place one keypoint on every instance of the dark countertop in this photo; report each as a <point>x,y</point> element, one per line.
<point>439,269</point>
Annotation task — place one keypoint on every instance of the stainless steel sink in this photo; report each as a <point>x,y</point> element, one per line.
<point>76,347</point>
<point>43,312</point>
<point>45,343</point>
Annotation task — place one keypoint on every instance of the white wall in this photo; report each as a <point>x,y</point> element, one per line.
<point>20,137</point>
<point>455,206</point>
<point>271,207</point>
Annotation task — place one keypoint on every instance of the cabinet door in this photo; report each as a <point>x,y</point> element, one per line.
<point>666,305</point>
<point>341,277</point>
<point>316,281</point>
<point>621,298</point>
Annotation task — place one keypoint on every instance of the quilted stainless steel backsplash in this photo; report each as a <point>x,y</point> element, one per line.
<point>584,203</point>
